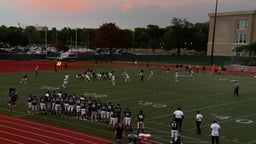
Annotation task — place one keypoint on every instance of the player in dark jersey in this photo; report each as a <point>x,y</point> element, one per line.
<point>13,96</point>
<point>113,118</point>
<point>42,104</point>
<point>140,122</point>
<point>174,130</point>
<point>78,107</point>
<point>34,105</point>
<point>71,106</point>
<point>119,110</point>
<point>58,105</point>
<point>127,119</point>
<point>83,108</point>
<point>109,111</point>
<point>94,111</point>
<point>103,112</point>
<point>29,103</point>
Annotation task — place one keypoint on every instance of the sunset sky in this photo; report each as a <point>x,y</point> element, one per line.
<point>126,14</point>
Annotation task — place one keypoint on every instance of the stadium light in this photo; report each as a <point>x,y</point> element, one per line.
<point>213,34</point>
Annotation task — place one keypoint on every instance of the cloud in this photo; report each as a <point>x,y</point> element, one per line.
<point>127,6</point>
<point>42,6</point>
<point>76,6</point>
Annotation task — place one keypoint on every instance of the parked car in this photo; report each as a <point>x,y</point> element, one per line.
<point>126,53</point>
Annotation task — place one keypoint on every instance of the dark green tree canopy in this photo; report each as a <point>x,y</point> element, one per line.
<point>110,36</point>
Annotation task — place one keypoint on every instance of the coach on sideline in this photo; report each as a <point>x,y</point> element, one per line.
<point>178,116</point>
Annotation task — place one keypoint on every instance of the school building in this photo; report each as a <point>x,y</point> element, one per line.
<point>231,30</point>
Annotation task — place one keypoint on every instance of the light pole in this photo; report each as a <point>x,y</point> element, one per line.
<point>213,33</point>
<point>161,47</point>
<point>76,38</point>
<point>46,29</point>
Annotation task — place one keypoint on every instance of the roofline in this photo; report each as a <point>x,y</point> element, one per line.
<point>249,12</point>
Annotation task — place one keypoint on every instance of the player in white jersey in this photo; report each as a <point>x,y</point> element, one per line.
<point>99,76</point>
<point>65,81</point>
<point>151,73</point>
<point>126,77</point>
<point>87,77</point>
<point>176,76</point>
<point>190,68</point>
<point>113,79</point>
<point>24,79</point>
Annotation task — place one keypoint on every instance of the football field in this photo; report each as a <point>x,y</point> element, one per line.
<point>158,97</point>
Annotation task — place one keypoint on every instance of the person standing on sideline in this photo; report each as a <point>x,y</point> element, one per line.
<point>140,122</point>
<point>199,119</point>
<point>236,90</point>
<point>215,132</point>
<point>119,133</point>
<point>36,70</point>
<point>179,116</point>
<point>174,131</point>
<point>141,75</point>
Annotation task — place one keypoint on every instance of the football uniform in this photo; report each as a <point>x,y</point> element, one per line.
<point>127,118</point>
<point>103,112</point>
<point>42,104</point>
<point>140,123</point>
<point>58,105</point>
<point>29,103</point>
<point>34,104</point>
<point>174,130</point>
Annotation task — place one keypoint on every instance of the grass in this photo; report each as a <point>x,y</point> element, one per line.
<point>157,97</point>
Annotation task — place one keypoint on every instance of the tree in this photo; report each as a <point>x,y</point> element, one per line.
<point>181,34</point>
<point>110,36</point>
<point>201,36</point>
<point>141,38</point>
<point>250,48</point>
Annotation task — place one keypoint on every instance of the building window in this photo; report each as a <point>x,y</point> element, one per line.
<point>241,38</point>
<point>242,24</point>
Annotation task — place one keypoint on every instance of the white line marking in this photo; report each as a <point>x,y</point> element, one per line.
<point>37,141</point>
<point>5,139</point>
<point>32,133</point>
<point>61,129</point>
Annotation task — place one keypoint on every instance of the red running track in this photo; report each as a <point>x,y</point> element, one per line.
<point>19,131</point>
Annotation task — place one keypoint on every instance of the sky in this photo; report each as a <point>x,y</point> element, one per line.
<point>126,14</point>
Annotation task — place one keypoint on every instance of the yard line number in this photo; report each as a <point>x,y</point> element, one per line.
<point>241,121</point>
<point>145,103</point>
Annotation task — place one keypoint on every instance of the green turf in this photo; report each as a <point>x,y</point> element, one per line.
<point>157,97</point>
